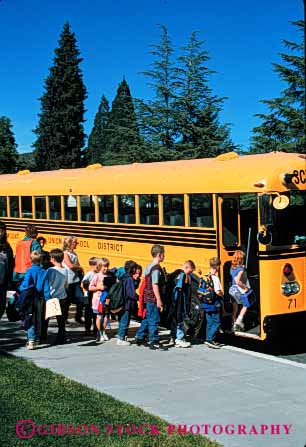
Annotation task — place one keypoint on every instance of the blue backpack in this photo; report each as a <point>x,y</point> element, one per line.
<point>210,300</point>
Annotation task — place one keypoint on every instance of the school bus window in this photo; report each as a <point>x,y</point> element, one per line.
<point>148,207</point>
<point>173,210</point>
<point>106,209</point>
<point>26,207</point>
<point>70,208</point>
<point>55,210</point>
<point>40,208</point>
<point>3,208</point>
<point>230,222</point>
<point>14,206</point>
<point>88,208</point>
<point>201,210</point>
<point>126,209</point>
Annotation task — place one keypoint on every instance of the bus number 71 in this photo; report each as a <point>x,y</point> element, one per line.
<point>292,303</point>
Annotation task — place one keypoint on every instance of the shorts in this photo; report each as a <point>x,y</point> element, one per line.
<point>235,295</point>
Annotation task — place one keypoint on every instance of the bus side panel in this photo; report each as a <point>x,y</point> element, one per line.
<point>273,301</point>
<point>120,251</point>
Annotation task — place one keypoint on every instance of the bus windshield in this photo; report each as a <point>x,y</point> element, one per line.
<point>287,226</point>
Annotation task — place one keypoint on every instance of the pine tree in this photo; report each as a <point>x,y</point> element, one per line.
<point>123,143</point>
<point>199,133</point>
<point>8,147</point>
<point>97,138</point>
<point>157,117</point>
<point>60,132</point>
<point>282,128</point>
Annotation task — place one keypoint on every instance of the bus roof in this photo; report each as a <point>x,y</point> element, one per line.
<point>228,173</point>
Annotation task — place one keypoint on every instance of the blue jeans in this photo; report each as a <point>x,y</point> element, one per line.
<point>180,331</point>
<point>31,333</point>
<point>151,323</point>
<point>213,324</point>
<point>124,324</point>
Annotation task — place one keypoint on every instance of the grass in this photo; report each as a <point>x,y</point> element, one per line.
<point>32,393</point>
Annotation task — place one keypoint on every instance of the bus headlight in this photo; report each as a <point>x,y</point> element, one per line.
<point>295,288</point>
<point>290,288</point>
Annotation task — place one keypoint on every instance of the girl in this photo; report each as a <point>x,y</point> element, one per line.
<point>240,285</point>
<point>99,285</point>
<point>75,273</point>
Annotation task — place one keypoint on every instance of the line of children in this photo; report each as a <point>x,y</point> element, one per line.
<point>53,283</point>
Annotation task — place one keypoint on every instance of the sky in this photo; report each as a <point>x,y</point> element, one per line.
<point>242,37</point>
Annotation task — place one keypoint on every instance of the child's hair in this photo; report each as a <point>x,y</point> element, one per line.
<point>102,262</point>
<point>35,257</point>
<point>191,264</point>
<point>31,231</point>
<point>68,241</point>
<point>214,263</point>
<point>130,267</point>
<point>238,258</point>
<point>93,261</point>
<point>156,250</point>
<point>138,268</point>
<point>41,239</point>
<point>57,254</point>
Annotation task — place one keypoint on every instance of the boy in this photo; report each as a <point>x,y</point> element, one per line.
<point>55,287</point>
<point>89,315</point>
<point>182,297</point>
<point>212,306</point>
<point>153,294</point>
<point>33,283</point>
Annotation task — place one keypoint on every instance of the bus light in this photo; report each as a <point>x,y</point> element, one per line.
<point>287,270</point>
<point>288,178</point>
<point>290,288</point>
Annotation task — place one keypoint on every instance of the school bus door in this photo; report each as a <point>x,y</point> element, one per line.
<point>228,232</point>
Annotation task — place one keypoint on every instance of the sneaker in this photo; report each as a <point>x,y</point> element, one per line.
<point>99,338</point>
<point>238,327</point>
<point>30,345</point>
<point>105,337</point>
<point>212,344</point>
<point>121,342</point>
<point>182,344</point>
<point>157,347</point>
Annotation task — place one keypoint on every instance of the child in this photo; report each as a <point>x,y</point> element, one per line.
<point>55,287</point>
<point>182,298</point>
<point>240,285</point>
<point>90,317</point>
<point>33,283</point>
<point>153,294</point>
<point>212,305</point>
<point>99,286</point>
<point>129,298</point>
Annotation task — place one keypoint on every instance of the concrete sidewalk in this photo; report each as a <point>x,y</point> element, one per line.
<point>185,386</point>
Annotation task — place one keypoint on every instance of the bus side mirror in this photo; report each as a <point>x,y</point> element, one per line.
<point>267,212</point>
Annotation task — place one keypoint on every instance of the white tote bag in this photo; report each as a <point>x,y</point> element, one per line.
<point>53,308</point>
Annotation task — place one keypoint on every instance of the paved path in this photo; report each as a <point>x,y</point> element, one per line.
<point>191,386</point>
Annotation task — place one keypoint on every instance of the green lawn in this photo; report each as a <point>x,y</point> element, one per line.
<point>29,392</point>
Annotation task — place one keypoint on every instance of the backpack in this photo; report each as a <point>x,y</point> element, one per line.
<point>207,294</point>
<point>166,316</point>
<point>116,296</point>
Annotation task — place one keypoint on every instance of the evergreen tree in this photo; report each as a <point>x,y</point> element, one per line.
<point>60,132</point>
<point>282,128</point>
<point>197,109</point>
<point>157,117</point>
<point>97,138</point>
<point>8,147</point>
<point>123,143</point>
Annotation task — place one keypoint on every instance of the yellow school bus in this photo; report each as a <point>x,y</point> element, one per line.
<point>197,209</point>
